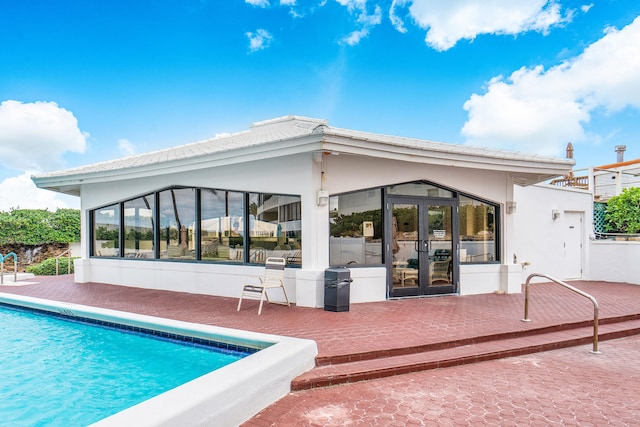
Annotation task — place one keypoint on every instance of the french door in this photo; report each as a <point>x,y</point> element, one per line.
<point>422,256</point>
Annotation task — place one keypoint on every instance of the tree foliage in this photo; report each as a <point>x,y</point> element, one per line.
<point>33,227</point>
<point>622,214</point>
<point>351,225</point>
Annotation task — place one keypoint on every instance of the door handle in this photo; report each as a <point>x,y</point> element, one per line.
<point>422,245</point>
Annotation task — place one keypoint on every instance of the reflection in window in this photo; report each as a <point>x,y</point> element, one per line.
<point>138,227</point>
<point>356,228</point>
<point>106,231</point>
<point>418,188</point>
<point>177,223</point>
<point>222,225</point>
<point>477,231</point>
<point>275,228</point>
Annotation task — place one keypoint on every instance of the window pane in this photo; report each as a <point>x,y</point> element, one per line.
<point>355,224</point>
<point>222,225</point>
<point>477,231</point>
<point>138,227</point>
<point>106,231</point>
<point>177,223</point>
<point>418,189</point>
<point>275,228</point>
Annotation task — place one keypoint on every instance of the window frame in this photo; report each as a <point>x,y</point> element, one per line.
<point>197,233</point>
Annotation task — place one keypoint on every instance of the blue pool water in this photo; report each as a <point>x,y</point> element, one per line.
<point>59,372</point>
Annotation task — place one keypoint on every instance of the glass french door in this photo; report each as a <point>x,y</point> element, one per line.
<point>421,255</point>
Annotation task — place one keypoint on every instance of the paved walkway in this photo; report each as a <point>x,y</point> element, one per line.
<point>561,387</point>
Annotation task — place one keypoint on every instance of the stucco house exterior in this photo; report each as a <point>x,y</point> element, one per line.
<point>409,217</point>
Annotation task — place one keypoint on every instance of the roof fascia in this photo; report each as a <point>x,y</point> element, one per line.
<point>530,171</point>
<point>281,148</point>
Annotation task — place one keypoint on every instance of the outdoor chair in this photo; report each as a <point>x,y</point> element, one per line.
<point>440,272</point>
<point>273,278</point>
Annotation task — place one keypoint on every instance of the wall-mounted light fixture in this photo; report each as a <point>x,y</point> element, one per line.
<point>511,207</point>
<point>555,214</point>
<point>322,197</point>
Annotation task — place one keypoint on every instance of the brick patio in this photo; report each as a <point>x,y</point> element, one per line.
<point>567,386</point>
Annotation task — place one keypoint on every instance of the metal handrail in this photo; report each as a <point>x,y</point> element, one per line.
<point>15,266</point>
<point>68,253</point>
<point>576,290</point>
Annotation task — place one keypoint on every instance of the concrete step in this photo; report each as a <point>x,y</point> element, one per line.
<point>353,368</point>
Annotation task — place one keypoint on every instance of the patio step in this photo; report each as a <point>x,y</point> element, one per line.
<point>366,366</point>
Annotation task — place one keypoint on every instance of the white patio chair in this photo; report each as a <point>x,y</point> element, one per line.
<point>273,278</point>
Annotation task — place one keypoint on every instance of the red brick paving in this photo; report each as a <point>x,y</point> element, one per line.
<point>562,387</point>
<point>567,387</point>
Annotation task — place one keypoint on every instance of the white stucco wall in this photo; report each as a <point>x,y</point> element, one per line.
<point>615,261</point>
<point>300,174</point>
<point>539,240</point>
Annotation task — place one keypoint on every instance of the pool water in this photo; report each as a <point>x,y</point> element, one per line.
<point>58,372</point>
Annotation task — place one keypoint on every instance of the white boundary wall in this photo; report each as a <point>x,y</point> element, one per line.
<point>615,261</point>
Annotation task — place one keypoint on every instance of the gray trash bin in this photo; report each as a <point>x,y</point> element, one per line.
<point>337,288</point>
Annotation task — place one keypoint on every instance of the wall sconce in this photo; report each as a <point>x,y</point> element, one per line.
<point>511,207</point>
<point>555,214</point>
<point>322,197</point>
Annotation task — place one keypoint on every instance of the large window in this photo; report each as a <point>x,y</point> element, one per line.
<point>275,227</point>
<point>177,223</point>
<point>222,225</point>
<point>356,228</point>
<point>217,226</point>
<point>477,231</point>
<point>138,227</point>
<point>106,231</point>
<point>356,224</point>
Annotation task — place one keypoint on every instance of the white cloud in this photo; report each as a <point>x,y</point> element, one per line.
<point>258,3</point>
<point>365,20</point>
<point>34,136</point>
<point>21,192</point>
<point>126,147</point>
<point>448,22</point>
<point>396,21</point>
<point>585,8</point>
<point>259,40</point>
<point>287,2</point>
<point>541,110</point>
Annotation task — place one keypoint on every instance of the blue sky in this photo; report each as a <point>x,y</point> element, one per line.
<point>87,81</point>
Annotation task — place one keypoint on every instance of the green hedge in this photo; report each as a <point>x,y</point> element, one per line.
<point>48,267</point>
<point>34,227</point>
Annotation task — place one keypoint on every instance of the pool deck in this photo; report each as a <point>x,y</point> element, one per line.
<point>454,360</point>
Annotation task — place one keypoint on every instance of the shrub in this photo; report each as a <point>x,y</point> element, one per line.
<point>33,227</point>
<point>48,267</point>
<point>622,214</point>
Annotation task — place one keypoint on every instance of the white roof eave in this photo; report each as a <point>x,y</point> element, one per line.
<point>527,169</point>
<point>294,135</point>
<point>69,182</point>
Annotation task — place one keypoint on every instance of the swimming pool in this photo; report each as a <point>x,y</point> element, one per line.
<point>227,396</point>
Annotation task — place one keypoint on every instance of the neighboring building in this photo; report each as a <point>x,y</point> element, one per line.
<point>409,217</point>
<point>606,181</point>
<point>611,179</point>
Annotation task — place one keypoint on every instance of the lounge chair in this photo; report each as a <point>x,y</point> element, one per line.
<point>273,278</point>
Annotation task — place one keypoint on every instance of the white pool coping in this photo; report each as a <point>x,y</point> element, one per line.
<point>225,397</point>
